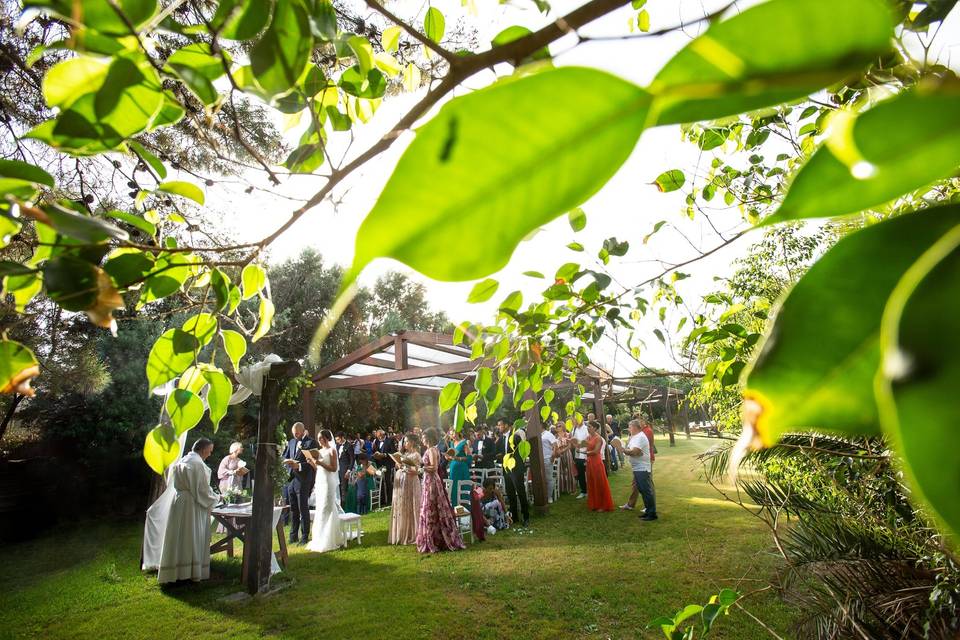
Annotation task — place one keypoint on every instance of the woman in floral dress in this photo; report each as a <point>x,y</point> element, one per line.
<point>562,451</point>
<point>437,529</point>
<point>405,509</point>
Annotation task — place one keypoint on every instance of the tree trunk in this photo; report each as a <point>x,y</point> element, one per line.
<point>9,415</point>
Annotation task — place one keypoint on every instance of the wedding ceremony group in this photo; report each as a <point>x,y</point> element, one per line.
<point>436,485</point>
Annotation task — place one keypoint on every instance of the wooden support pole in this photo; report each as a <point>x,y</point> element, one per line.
<point>667,415</point>
<point>601,418</point>
<point>538,466</point>
<point>259,535</point>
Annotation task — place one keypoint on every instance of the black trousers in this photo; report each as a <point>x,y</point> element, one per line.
<point>298,497</point>
<point>386,496</point>
<point>581,466</point>
<point>517,489</point>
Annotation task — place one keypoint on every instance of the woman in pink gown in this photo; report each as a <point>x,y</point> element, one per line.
<point>437,529</point>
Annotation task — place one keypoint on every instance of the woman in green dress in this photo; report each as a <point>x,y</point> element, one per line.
<point>458,469</point>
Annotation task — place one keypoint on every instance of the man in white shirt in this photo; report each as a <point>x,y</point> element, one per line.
<point>638,452</point>
<point>548,441</point>
<point>580,434</point>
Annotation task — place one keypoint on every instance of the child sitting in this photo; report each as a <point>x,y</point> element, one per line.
<point>493,510</point>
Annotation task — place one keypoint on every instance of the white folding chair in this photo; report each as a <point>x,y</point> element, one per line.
<point>375,501</point>
<point>464,520</point>
<point>351,527</point>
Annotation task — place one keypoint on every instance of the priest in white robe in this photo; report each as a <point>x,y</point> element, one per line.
<point>185,554</point>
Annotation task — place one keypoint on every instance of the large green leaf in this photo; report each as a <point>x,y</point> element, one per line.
<point>815,369</point>
<point>501,162</point>
<point>900,145</point>
<point>773,52</point>
<point>161,448</point>
<point>202,326</point>
<point>449,396</point>
<point>917,385</point>
<point>185,410</point>
<point>71,282</point>
<point>171,355</point>
<point>218,397</point>
<point>265,319</point>
<point>18,366</point>
<point>254,279</point>
<point>99,15</point>
<point>434,24</point>
<point>235,345</point>
<point>483,290</point>
<point>183,189</point>
<point>241,19</point>
<point>25,171</point>
<point>281,55</point>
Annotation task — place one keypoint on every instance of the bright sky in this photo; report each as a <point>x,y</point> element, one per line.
<point>627,207</point>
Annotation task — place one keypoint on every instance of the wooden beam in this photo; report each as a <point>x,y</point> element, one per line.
<point>441,370</point>
<point>354,357</point>
<point>396,388</point>
<point>399,352</point>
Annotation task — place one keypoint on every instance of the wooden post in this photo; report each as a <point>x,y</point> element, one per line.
<point>665,390</point>
<point>258,541</point>
<point>685,415</point>
<point>538,467</point>
<point>601,418</point>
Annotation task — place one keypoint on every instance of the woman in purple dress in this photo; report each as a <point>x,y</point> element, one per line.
<point>437,529</point>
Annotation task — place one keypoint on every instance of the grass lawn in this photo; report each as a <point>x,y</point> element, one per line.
<point>575,574</point>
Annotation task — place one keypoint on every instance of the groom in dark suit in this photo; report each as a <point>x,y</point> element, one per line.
<point>382,448</point>
<point>301,476</point>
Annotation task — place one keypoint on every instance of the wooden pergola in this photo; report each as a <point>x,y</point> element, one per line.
<point>422,363</point>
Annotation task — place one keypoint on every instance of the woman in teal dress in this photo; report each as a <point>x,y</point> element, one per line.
<point>458,469</point>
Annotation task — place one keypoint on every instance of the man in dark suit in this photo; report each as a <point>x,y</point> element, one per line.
<point>345,459</point>
<point>515,479</point>
<point>486,449</point>
<point>382,448</point>
<point>301,476</point>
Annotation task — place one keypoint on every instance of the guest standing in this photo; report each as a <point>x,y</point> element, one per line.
<point>345,464</point>
<point>579,436</point>
<point>383,448</point>
<point>231,470</point>
<point>638,451</point>
<point>548,443</point>
<point>301,476</point>
<point>406,493</point>
<point>563,450</point>
<point>486,449</point>
<point>598,489</point>
<point>514,478</point>
<point>185,551</point>
<point>436,529</point>
<point>458,465</point>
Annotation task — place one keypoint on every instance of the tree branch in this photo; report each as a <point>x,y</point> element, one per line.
<point>416,35</point>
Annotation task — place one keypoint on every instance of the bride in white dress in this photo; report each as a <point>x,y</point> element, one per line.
<point>325,534</point>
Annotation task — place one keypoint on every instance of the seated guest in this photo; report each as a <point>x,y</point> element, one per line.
<point>231,470</point>
<point>493,510</point>
<point>185,552</point>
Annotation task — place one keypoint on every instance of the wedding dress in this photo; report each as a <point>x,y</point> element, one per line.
<point>325,534</point>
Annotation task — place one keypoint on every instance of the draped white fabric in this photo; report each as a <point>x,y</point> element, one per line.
<point>185,553</point>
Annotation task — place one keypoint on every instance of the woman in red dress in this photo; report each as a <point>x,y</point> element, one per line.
<point>598,490</point>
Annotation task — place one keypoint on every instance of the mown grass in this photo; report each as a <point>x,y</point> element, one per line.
<point>574,574</point>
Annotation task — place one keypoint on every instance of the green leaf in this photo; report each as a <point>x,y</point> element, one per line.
<point>371,85</point>
<point>916,387</point>
<point>218,396</point>
<point>71,282</point>
<point>512,302</point>
<point>483,290</point>
<point>183,189</point>
<point>18,366</point>
<point>643,21</point>
<point>523,449</point>
<point>494,404</point>
<point>577,219</point>
<point>80,226</point>
<point>815,369</point>
<point>363,51</point>
<point>323,21</point>
<point>69,79</point>
<point>99,14</point>
<point>484,380</point>
<point>170,356</point>
<point>900,145</point>
<point>306,158</point>
<point>128,266</point>
<point>708,615</point>
<point>281,55</point>
<point>241,19</point>
<point>185,410</point>
<point>200,58</point>
<point>670,180</point>
<point>161,448</point>
<point>727,597</point>
<point>390,38</point>
<point>434,24</point>
<point>147,227</point>
<point>25,171</point>
<point>254,279</point>
<point>202,326</point>
<point>235,345</point>
<point>449,396</point>
<point>481,165</point>
<point>149,158</point>
<point>265,319</point>
<point>515,32</point>
<point>742,63</point>
<point>534,274</point>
